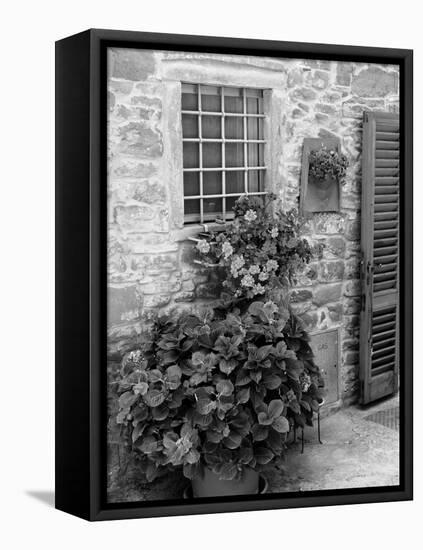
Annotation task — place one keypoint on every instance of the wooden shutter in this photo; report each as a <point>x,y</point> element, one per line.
<point>380,260</point>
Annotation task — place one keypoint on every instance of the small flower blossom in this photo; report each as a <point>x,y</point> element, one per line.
<point>274,232</point>
<point>272,265</point>
<point>203,247</point>
<point>227,250</point>
<point>305,382</point>
<point>247,281</point>
<point>250,215</point>
<point>263,276</point>
<point>254,269</point>
<point>237,262</point>
<point>259,289</point>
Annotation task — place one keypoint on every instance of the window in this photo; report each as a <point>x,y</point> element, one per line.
<point>223,149</point>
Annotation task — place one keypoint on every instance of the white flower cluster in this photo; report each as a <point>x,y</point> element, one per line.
<point>203,247</point>
<point>250,215</point>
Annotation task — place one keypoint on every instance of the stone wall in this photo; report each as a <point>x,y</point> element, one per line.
<point>150,267</point>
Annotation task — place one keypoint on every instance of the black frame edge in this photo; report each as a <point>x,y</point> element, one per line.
<point>72,399</point>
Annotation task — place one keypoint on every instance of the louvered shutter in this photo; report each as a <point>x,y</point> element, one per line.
<point>380,260</point>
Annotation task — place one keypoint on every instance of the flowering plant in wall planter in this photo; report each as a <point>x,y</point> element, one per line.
<point>326,164</point>
<point>215,394</point>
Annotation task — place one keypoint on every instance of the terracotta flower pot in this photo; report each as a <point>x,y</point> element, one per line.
<point>209,485</point>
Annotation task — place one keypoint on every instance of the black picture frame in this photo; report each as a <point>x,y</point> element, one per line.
<point>81,199</point>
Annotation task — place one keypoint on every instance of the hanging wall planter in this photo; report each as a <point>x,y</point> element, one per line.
<point>323,170</point>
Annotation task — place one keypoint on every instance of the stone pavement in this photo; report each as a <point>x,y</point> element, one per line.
<point>356,452</point>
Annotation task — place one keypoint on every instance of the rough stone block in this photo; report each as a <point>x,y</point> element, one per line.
<point>301,308</point>
<point>131,64</point>
<point>324,294</point>
<point>352,305</point>
<point>309,320</point>
<point>334,247</point>
<point>300,296</point>
<point>331,271</point>
<point>344,74</point>
<point>335,312</point>
<point>156,300</point>
<point>374,82</point>
<point>133,169</point>
<point>329,223</point>
<point>353,288</point>
<point>303,94</point>
<point>351,358</point>
<point>320,80</point>
<point>184,296</point>
<point>140,139</point>
<point>352,269</point>
<point>123,304</point>
<point>353,230</point>
<point>122,87</point>
<point>350,345</point>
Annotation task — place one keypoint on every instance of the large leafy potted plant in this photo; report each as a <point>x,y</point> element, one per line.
<point>215,394</point>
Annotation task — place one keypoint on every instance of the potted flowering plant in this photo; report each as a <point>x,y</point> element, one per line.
<point>326,165</point>
<point>214,395</point>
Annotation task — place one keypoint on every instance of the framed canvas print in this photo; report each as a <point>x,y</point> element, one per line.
<point>234,274</point>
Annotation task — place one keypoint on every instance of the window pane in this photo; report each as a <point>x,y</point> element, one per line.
<point>212,155</point>
<point>189,102</point>
<point>234,128</point>
<point>234,154</point>
<point>255,181</point>
<point>255,154</point>
<point>255,128</point>
<point>230,203</point>
<point>234,104</point>
<point>210,99</point>
<point>191,156</point>
<point>192,206</point>
<point>212,206</point>
<point>191,183</point>
<point>212,183</point>
<point>189,126</point>
<point>234,182</point>
<point>211,126</point>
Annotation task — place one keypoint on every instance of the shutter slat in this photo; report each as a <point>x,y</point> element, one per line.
<point>386,188</point>
<point>383,368</point>
<point>383,243</point>
<point>384,336</point>
<point>386,154</point>
<point>385,277</point>
<point>385,135</point>
<point>391,145</point>
<point>386,207</point>
<point>386,163</point>
<point>382,199</point>
<point>380,287</point>
<point>389,351</point>
<point>387,172</point>
<point>383,268</point>
<point>383,344</point>
<point>382,180</point>
<point>387,127</point>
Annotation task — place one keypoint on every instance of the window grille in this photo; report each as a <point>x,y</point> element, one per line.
<point>223,149</point>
